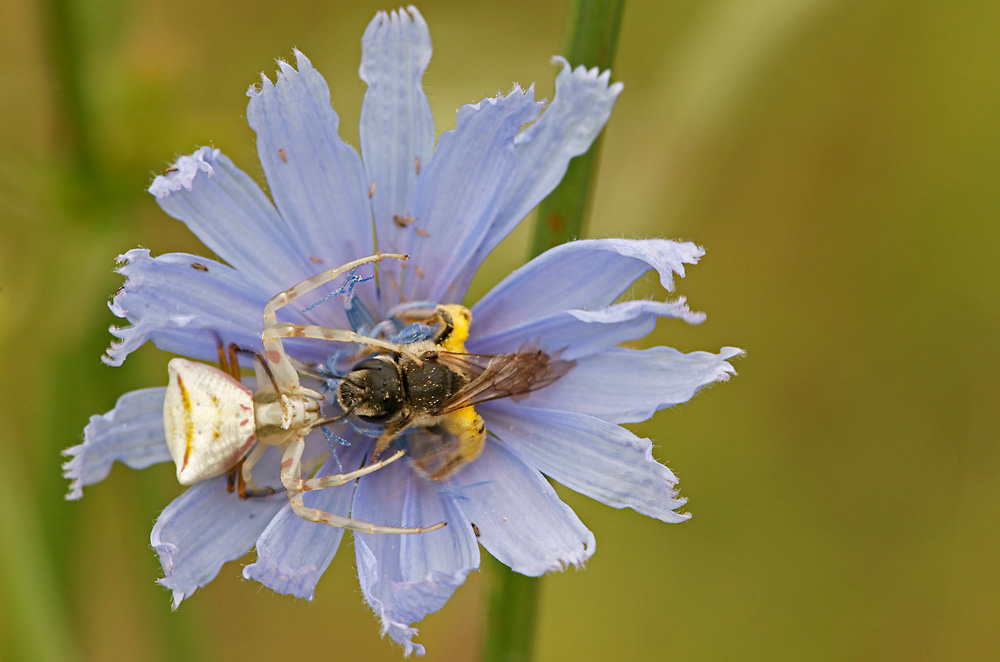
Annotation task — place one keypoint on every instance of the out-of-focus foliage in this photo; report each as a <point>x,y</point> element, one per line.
<point>837,159</point>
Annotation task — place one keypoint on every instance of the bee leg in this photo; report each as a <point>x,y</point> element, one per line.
<point>387,436</point>
<point>291,467</point>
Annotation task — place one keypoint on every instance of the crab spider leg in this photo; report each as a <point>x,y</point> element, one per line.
<point>234,361</point>
<point>290,472</point>
<point>309,484</point>
<point>246,491</point>
<point>312,465</point>
<point>246,471</point>
<point>283,367</point>
<point>284,298</point>
<point>273,334</point>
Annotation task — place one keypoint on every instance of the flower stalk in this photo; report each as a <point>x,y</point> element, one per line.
<point>591,41</point>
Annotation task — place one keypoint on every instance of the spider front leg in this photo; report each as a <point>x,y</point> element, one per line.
<point>291,472</point>
<point>273,334</point>
<point>283,368</point>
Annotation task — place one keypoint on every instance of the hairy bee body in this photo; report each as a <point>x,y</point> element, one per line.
<point>434,397</point>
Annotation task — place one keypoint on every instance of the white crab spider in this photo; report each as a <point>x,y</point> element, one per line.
<point>212,420</point>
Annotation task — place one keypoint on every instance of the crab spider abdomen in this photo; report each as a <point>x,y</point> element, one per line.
<point>208,418</point>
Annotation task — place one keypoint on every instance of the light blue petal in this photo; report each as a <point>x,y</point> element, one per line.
<point>406,577</point>
<point>292,554</point>
<point>583,332</point>
<point>566,129</point>
<point>601,460</point>
<point>206,526</point>
<point>459,193</point>
<point>184,302</point>
<point>132,433</point>
<point>521,520</point>
<point>626,386</point>
<point>585,274</point>
<point>177,300</point>
<point>397,128</point>
<point>316,179</point>
<point>227,210</point>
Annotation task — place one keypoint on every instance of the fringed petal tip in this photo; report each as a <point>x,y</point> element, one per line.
<point>166,551</point>
<point>73,470</point>
<point>400,633</point>
<point>174,300</point>
<point>131,433</point>
<point>403,635</point>
<point>575,559</point>
<point>392,617</point>
<point>626,310</point>
<point>299,583</point>
<point>292,554</point>
<point>666,257</point>
<point>516,94</point>
<point>206,527</point>
<point>128,340</point>
<point>176,596</point>
<point>397,26</point>
<point>405,580</point>
<point>727,370</point>
<point>302,65</point>
<point>182,173</point>
<point>583,76</point>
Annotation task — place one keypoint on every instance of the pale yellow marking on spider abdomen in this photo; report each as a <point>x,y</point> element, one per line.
<point>188,420</point>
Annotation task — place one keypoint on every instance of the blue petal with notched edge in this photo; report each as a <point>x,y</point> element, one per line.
<point>583,102</point>
<point>185,304</point>
<point>584,274</point>
<point>521,520</point>
<point>406,577</point>
<point>397,128</point>
<point>316,179</point>
<point>226,209</point>
<point>458,194</point>
<point>206,526</point>
<point>633,384</point>
<point>177,300</point>
<point>132,433</point>
<point>590,456</point>
<point>581,332</point>
<point>292,554</point>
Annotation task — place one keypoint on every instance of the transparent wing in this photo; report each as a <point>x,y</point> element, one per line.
<point>493,376</point>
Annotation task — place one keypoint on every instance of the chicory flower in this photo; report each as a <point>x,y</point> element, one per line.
<point>447,206</point>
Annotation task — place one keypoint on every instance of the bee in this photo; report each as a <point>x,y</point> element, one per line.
<point>435,397</point>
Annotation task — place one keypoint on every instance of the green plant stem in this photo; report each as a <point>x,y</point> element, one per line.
<point>591,40</point>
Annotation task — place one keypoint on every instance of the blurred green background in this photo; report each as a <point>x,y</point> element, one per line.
<point>838,160</point>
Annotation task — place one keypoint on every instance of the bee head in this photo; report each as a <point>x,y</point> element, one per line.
<point>372,390</point>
